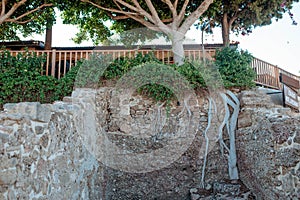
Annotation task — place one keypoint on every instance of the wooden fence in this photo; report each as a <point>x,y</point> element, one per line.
<point>267,74</point>
<point>65,60</point>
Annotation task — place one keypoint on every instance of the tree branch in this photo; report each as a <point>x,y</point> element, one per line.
<point>154,13</point>
<point>118,17</point>
<point>167,20</point>
<point>127,5</point>
<point>145,23</point>
<point>109,9</point>
<point>3,7</point>
<point>16,20</point>
<point>21,22</point>
<point>127,17</point>
<point>175,4</point>
<point>143,12</point>
<point>195,15</point>
<point>234,17</point>
<point>6,16</point>
<point>182,11</point>
<point>117,4</point>
<point>133,15</point>
<point>172,8</point>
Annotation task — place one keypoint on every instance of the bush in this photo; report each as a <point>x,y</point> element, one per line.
<point>21,80</point>
<point>65,85</point>
<point>234,67</point>
<point>121,66</point>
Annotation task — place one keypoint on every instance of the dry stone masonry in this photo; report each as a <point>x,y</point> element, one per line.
<point>43,156</point>
<point>268,145</point>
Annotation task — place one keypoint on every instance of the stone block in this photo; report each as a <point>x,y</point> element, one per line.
<point>34,110</point>
<point>4,137</point>
<point>244,120</point>
<point>68,99</point>
<point>7,163</point>
<point>39,130</point>
<point>8,177</point>
<point>6,129</point>
<point>11,195</point>
<point>44,112</point>
<point>226,188</point>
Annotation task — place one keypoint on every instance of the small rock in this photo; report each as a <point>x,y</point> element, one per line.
<point>193,190</point>
<point>226,188</point>
<point>195,196</point>
<point>8,177</point>
<point>39,130</point>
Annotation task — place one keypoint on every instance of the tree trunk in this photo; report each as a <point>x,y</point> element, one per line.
<point>48,37</point>
<point>177,48</point>
<point>225,30</point>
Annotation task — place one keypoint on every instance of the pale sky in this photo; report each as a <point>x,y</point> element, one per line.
<point>278,43</point>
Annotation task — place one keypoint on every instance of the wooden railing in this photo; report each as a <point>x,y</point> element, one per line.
<point>267,74</point>
<point>65,60</point>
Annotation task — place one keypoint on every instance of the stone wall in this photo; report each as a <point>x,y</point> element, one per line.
<point>48,152</point>
<point>268,145</point>
<point>41,156</point>
<point>139,126</point>
<point>44,154</point>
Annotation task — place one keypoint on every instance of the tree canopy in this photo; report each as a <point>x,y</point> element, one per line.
<point>173,18</point>
<point>238,16</point>
<point>241,16</point>
<point>98,19</point>
<point>24,16</point>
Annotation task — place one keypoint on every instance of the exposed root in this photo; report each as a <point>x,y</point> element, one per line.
<point>210,108</point>
<point>229,121</point>
<point>187,107</point>
<point>159,125</point>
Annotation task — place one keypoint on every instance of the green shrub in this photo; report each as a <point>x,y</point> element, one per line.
<point>122,65</point>
<point>234,67</point>
<point>21,80</point>
<point>65,85</point>
<point>191,73</point>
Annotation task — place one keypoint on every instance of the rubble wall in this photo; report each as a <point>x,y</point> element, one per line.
<point>44,155</point>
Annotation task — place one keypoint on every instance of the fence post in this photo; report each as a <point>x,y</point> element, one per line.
<point>53,61</point>
<point>277,78</point>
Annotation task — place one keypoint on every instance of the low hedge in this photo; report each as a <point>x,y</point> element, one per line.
<point>21,79</point>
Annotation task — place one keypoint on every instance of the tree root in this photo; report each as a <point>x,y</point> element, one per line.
<point>229,121</point>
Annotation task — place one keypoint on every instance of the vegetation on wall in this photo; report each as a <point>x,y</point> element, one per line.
<point>21,79</point>
<point>234,67</point>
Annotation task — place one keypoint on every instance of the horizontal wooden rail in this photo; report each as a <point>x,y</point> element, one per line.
<point>65,60</point>
<point>269,75</point>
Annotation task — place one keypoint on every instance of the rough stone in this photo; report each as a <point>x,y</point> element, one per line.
<point>8,177</point>
<point>43,156</point>
<point>226,188</point>
<point>244,119</point>
<point>39,130</point>
<point>266,157</point>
